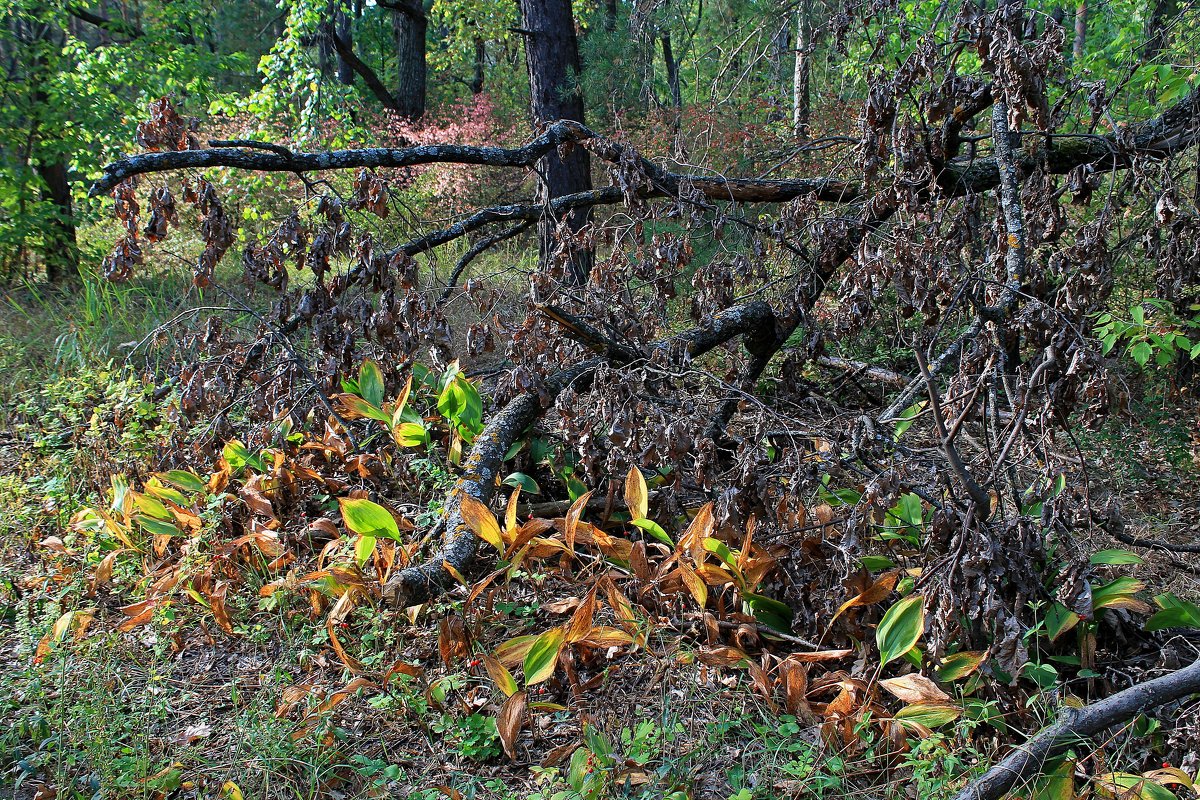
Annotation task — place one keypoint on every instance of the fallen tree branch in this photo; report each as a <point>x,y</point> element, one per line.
<point>1156,544</point>
<point>862,368</point>
<point>1075,726</point>
<point>421,582</point>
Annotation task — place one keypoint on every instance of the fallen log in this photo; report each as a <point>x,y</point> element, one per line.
<point>1078,725</point>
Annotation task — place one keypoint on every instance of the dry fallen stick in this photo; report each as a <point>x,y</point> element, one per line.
<point>1074,726</point>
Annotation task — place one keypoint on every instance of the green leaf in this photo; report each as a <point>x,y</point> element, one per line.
<point>1134,787</point>
<point>1175,613</point>
<point>238,456</point>
<point>908,510</point>
<point>770,612</point>
<point>876,563</point>
<point>370,383</point>
<point>527,484</point>
<point>1044,675</point>
<point>365,408</point>
<point>1059,620</point>
<point>960,665</point>
<point>907,417</point>
<point>183,479</point>
<point>1118,593</point>
<point>368,519</point>
<point>410,434</point>
<point>1141,353</point>
<point>1115,557</point>
<point>363,548</point>
<point>900,628</point>
<point>930,715</point>
<point>654,529</point>
<point>543,655</point>
<point>156,527</point>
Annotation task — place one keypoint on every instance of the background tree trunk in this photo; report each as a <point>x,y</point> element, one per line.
<point>802,77</point>
<point>480,63</point>
<point>552,57</point>
<point>345,31</point>
<point>60,248</point>
<point>410,23</point>
<point>672,72</point>
<point>1081,14</point>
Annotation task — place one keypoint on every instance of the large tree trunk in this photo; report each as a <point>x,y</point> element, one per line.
<point>345,31</point>
<point>480,63</point>
<point>672,72</point>
<point>802,77</point>
<point>59,246</point>
<point>552,56</point>
<point>410,23</point>
<point>59,249</point>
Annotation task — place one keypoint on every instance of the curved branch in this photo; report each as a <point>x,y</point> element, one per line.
<point>255,160</point>
<point>419,583</point>
<point>475,251</point>
<point>345,51</point>
<point>1074,726</point>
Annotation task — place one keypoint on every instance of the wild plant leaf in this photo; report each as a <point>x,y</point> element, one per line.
<point>183,479</point>
<point>513,652</point>
<point>900,628</point>
<point>637,496</point>
<point>410,434</point>
<point>959,665</point>
<point>482,522</point>
<point>522,480</point>
<point>1120,593</point>
<point>370,384</point>
<point>1127,786</point>
<point>914,688</point>
<point>654,529</point>
<point>368,519</point>
<point>500,675</point>
<point>508,722</point>
<point>543,656</point>
<point>1059,620</point>
<point>359,407</point>
<point>364,548</point>
<point>1116,557</point>
<point>907,417</point>
<point>1174,613</point>
<point>929,715</point>
<point>770,612</point>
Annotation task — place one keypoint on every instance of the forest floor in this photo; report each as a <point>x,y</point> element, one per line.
<point>266,692</point>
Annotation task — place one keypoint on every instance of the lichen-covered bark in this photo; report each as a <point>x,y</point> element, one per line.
<point>1075,727</point>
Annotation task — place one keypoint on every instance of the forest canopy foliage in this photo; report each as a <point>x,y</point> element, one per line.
<point>778,342</point>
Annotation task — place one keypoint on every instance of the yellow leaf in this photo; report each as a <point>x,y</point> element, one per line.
<point>636,494</point>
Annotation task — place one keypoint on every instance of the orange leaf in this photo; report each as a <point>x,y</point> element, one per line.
<point>572,519</point>
<point>694,584</point>
<point>581,620</point>
<point>508,723</point>
<point>915,688</point>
